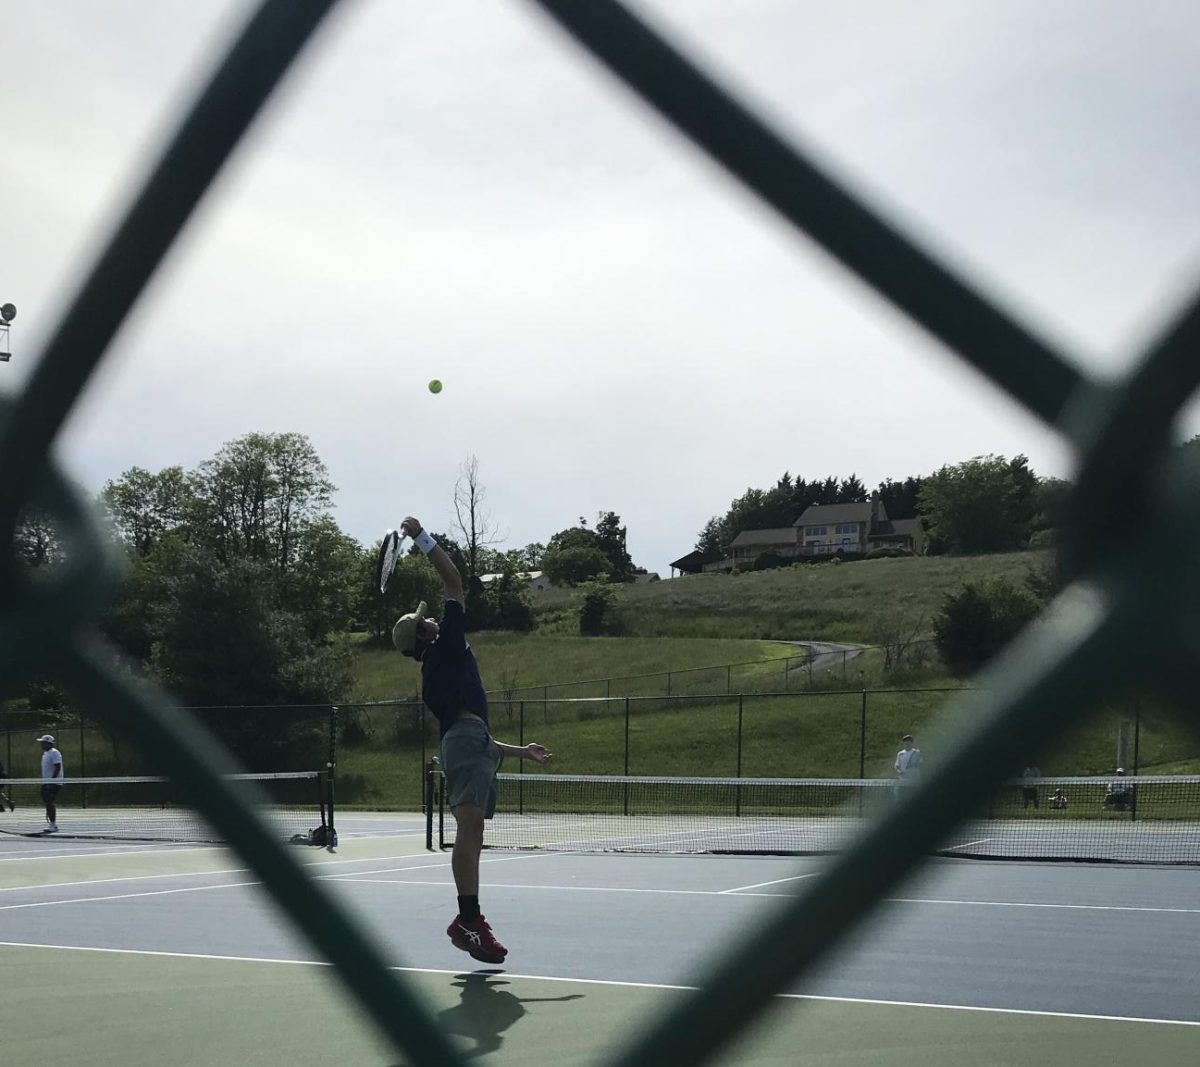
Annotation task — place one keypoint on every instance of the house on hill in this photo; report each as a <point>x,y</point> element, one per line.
<point>827,530</point>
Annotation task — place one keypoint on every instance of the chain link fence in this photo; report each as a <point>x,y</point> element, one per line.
<point>1080,656</point>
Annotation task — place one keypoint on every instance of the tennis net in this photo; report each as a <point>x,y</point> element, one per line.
<point>298,805</point>
<point>1099,819</point>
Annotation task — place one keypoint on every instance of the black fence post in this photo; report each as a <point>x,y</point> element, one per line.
<point>862,737</point>
<point>741,698</point>
<point>1137,731</point>
<point>626,741</point>
<point>330,775</point>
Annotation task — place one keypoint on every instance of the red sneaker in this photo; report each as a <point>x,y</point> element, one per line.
<point>476,939</point>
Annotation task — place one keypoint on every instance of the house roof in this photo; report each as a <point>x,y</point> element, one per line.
<point>786,536</point>
<point>908,526</point>
<point>824,514</point>
<point>695,560</point>
<point>529,576</point>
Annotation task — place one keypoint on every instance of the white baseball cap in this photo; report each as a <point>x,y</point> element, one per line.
<point>45,737</point>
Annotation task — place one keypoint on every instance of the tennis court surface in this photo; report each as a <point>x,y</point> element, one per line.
<point>123,953</point>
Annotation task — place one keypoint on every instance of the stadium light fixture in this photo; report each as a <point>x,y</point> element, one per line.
<point>8,312</point>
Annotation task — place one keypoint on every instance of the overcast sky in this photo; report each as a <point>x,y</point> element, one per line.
<point>455,191</point>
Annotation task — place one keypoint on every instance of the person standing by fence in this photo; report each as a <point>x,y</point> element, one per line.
<point>908,761</point>
<point>52,776</point>
<point>1029,793</point>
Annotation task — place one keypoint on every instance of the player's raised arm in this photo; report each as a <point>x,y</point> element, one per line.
<point>451,580</point>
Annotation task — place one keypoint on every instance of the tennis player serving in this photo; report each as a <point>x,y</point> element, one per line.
<point>453,690</point>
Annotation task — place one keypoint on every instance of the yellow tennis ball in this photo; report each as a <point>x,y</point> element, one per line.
<point>435,386</point>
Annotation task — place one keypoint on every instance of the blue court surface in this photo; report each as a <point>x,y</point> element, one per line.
<point>129,954</point>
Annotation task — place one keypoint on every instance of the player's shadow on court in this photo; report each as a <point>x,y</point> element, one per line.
<point>486,1010</point>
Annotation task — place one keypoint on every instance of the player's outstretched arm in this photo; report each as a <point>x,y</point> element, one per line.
<point>534,751</point>
<point>452,582</point>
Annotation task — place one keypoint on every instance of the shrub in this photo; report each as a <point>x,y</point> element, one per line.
<point>598,612</point>
<point>768,561</point>
<point>886,553</point>
<point>975,623</point>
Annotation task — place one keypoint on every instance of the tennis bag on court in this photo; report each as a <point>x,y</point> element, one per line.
<point>318,837</point>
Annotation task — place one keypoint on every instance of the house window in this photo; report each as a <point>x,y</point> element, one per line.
<point>816,531</point>
<point>846,528</point>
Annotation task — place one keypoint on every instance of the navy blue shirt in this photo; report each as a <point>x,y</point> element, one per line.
<point>450,680</point>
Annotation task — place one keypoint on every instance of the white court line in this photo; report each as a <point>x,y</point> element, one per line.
<point>317,872</point>
<point>760,885</point>
<point>345,875</point>
<point>351,877</point>
<point>1020,904</point>
<point>123,896</point>
<point>619,984</point>
<point>968,844</point>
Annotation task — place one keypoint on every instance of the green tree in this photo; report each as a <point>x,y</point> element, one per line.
<point>226,638</point>
<point>986,504</point>
<point>322,585</point>
<point>132,619</point>
<point>610,539</point>
<point>144,507</point>
<point>256,495</point>
<point>900,499</point>
<point>851,491</point>
<point>503,604</point>
<point>37,540</point>
<point>979,620</point>
<point>574,563</point>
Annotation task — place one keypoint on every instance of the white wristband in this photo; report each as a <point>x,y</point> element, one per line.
<point>424,542</point>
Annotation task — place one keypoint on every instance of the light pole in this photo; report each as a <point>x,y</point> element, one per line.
<point>8,312</point>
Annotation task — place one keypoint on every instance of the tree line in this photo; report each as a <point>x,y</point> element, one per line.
<point>240,588</point>
<point>985,504</point>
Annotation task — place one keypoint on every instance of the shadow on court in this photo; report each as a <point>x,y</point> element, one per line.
<point>486,1010</point>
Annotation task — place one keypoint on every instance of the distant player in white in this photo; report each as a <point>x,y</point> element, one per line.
<point>52,776</point>
<point>908,761</point>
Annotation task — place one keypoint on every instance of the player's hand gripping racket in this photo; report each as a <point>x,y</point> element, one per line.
<point>389,553</point>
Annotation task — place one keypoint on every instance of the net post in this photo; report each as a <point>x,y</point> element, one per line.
<point>521,763</point>
<point>419,712</point>
<point>330,773</point>
<point>439,786</point>
<point>427,804</point>
<point>82,764</point>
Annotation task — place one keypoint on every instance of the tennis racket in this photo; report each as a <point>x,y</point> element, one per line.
<point>389,552</point>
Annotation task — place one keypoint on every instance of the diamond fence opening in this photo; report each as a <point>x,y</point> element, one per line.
<point>1037,688</point>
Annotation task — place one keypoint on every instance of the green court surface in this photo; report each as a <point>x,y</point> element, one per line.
<point>131,1008</point>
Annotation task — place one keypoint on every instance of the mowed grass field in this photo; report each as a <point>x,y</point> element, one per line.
<point>793,723</point>
<point>849,602</point>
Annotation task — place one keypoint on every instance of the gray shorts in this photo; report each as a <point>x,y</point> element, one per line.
<point>470,760</point>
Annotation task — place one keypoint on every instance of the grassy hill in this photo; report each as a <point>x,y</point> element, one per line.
<point>822,601</point>
<point>796,724</point>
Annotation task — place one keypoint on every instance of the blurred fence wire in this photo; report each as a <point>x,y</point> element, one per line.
<point>1122,433</point>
